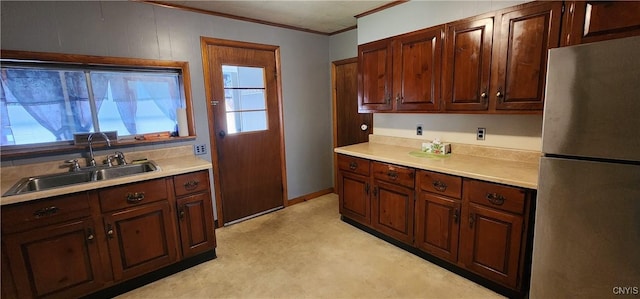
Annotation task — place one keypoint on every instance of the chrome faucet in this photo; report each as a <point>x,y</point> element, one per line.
<point>92,161</point>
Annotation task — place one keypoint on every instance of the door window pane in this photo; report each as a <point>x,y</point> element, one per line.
<point>245,99</point>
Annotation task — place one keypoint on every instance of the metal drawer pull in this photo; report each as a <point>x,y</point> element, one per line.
<point>90,237</point>
<point>440,186</point>
<point>456,215</point>
<point>495,198</point>
<point>181,213</point>
<point>135,197</point>
<point>48,211</point>
<point>190,185</point>
<point>353,165</point>
<point>393,175</point>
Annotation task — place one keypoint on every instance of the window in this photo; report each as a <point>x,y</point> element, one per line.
<point>45,102</point>
<point>245,99</point>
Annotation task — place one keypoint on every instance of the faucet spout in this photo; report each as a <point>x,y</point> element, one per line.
<point>92,161</point>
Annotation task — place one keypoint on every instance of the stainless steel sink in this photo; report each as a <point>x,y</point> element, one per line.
<point>91,174</point>
<point>124,170</point>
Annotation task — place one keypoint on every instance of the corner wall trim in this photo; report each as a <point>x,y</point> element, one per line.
<point>309,196</point>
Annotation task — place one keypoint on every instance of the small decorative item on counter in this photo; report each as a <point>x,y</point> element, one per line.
<point>436,147</point>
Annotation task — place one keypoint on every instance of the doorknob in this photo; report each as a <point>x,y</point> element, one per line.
<point>222,134</point>
<point>364,127</point>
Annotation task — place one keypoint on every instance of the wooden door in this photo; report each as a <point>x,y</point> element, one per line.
<point>375,76</point>
<point>490,243</point>
<point>393,210</point>
<point>467,64</point>
<point>417,70</point>
<point>141,239</point>
<point>59,260</point>
<point>195,217</point>
<point>353,191</point>
<point>525,35</point>
<point>437,225</point>
<point>245,120</point>
<point>591,21</point>
<point>351,127</point>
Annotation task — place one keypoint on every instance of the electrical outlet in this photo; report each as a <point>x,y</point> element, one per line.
<point>481,133</point>
<point>199,149</point>
<point>418,129</point>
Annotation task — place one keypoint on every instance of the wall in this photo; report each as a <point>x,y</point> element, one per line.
<point>138,30</point>
<point>510,131</point>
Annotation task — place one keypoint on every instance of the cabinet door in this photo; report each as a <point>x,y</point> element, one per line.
<point>393,208</point>
<point>591,21</point>
<point>141,239</point>
<point>374,76</point>
<point>437,225</point>
<point>416,70</point>
<point>58,260</point>
<point>525,36</point>
<point>353,192</point>
<point>491,242</point>
<point>467,66</point>
<point>195,215</point>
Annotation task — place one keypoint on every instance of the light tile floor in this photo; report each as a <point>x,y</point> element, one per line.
<point>306,251</point>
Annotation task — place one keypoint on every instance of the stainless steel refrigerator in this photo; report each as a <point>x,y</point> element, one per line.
<point>587,224</point>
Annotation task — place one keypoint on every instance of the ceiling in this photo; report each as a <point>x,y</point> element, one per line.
<point>319,16</point>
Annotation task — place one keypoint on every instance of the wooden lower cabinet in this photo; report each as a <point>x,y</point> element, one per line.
<point>60,260</point>
<point>478,226</point>
<point>393,210</point>
<point>74,245</point>
<point>437,225</point>
<point>491,243</point>
<point>141,239</point>
<point>195,223</point>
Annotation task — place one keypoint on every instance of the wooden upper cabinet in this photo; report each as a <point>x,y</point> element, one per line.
<point>467,64</point>
<point>401,73</point>
<point>522,40</point>
<point>591,21</point>
<point>374,76</point>
<point>417,70</point>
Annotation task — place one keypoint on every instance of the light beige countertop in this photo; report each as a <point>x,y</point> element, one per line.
<point>505,166</point>
<point>171,161</point>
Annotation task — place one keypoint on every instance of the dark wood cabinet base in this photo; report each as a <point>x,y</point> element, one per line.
<point>446,265</point>
<point>148,278</point>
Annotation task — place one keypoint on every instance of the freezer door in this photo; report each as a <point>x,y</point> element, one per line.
<point>587,230</point>
<point>592,100</point>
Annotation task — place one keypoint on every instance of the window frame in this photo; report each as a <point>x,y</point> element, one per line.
<point>20,151</point>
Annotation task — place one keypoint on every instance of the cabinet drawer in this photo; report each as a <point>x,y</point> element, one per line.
<point>23,216</point>
<point>121,197</point>
<point>353,164</point>
<point>191,182</point>
<point>394,174</point>
<point>496,196</point>
<point>439,183</point>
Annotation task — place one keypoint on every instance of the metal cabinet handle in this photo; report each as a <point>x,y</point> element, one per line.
<point>439,185</point>
<point>483,95</point>
<point>366,188</point>
<point>48,211</point>
<point>456,215</point>
<point>135,197</point>
<point>472,219</point>
<point>499,94</point>
<point>190,185</point>
<point>495,198</point>
<point>392,175</point>
<point>181,213</point>
<point>353,165</point>
<point>399,98</point>
<point>375,191</point>
<point>90,236</point>
<point>109,231</point>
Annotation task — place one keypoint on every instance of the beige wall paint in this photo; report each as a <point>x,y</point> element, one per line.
<point>507,131</point>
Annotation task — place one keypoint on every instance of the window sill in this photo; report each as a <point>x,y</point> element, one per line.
<point>32,152</point>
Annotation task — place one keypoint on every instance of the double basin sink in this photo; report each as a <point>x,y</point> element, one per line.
<point>84,175</point>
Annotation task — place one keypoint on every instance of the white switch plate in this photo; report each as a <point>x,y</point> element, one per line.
<point>481,133</point>
<point>199,149</point>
